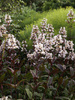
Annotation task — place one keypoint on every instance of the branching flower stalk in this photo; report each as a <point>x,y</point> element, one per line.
<point>49,48</point>
<point>70,20</point>
<point>3,31</point>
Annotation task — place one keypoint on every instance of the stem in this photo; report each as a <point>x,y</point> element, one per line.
<point>56,91</point>
<point>47,82</point>
<point>2,89</point>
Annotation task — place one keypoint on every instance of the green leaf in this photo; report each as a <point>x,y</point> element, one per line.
<point>65,82</point>
<point>61,67</point>
<point>29,93</point>
<point>38,94</point>
<point>55,71</point>
<point>50,81</point>
<point>11,85</point>
<point>71,71</point>
<point>11,69</point>
<point>28,76</point>
<point>60,80</point>
<point>63,98</point>
<point>20,81</point>
<point>18,72</point>
<point>41,68</point>
<point>2,78</point>
<point>14,85</point>
<point>21,64</point>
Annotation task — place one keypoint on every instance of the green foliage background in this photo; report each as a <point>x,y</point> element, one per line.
<point>55,17</point>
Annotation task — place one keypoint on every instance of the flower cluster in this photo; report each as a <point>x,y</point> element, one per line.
<point>10,43</point>
<point>35,32</point>
<point>10,47</point>
<point>43,25</point>
<point>24,46</point>
<point>50,47</point>
<point>8,19</point>
<point>2,30</point>
<point>63,32</point>
<point>70,16</point>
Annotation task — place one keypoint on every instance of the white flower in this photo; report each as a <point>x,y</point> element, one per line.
<point>43,53</point>
<point>63,32</point>
<point>49,55</point>
<point>69,45</point>
<point>73,20</point>
<point>71,56</point>
<point>8,19</point>
<point>62,53</point>
<point>30,56</point>
<point>39,47</point>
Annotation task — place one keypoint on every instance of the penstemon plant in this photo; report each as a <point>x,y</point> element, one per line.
<point>45,73</point>
<point>52,58</point>
<point>10,61</point>
<point>48,47</point>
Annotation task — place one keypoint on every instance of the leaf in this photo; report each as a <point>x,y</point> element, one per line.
<point>65,92</point>
<point>41,68</point>
<point>18,72</point>
<point>14,85</point>
<point>1,38</point>
<point>38,94</point>
<point>34,74</point>
<point>71,71</point>
<point>61,67</point>
<point>28,76</point>
<point>2,78</point>
<point>52,88</point>
<point>29,93</point>
<point>63,98</point>
<point>65,82</point>
<point>55,71</point>
<point>47,70</point>
<point>17,56</point>
<point>20,81</point>
<point>11,85</point>
<point>60,80</point>
<point>50,81</point>
<point>11,70</point>
<point>21,64</point>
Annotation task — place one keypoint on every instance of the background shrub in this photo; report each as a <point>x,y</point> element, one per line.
<point>50,4</point>
<point>55,17</point>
